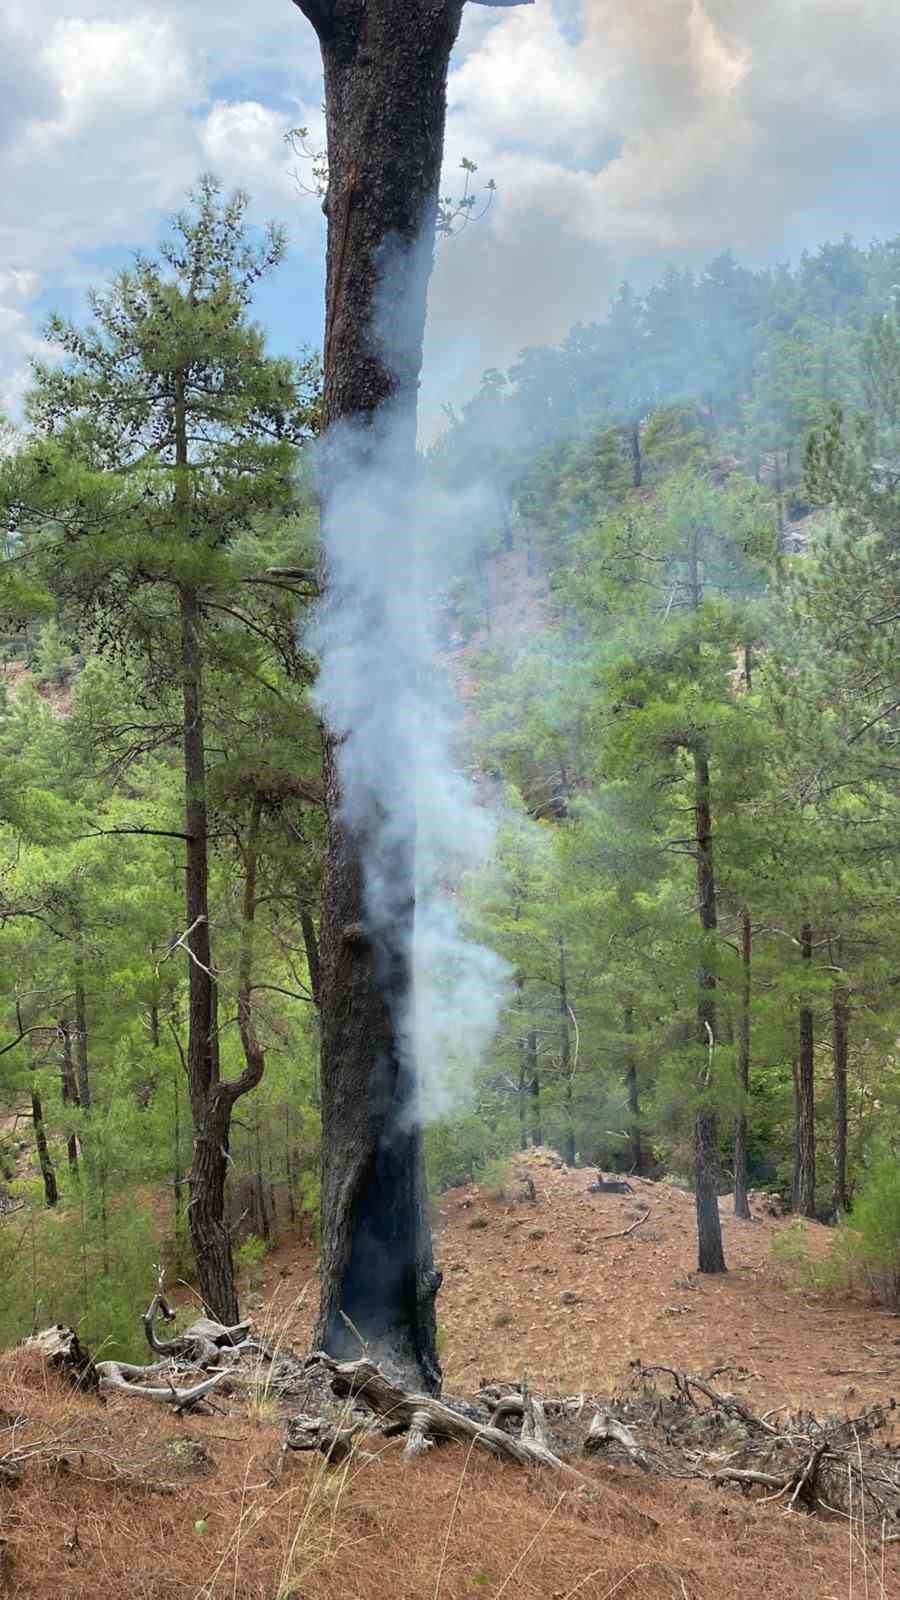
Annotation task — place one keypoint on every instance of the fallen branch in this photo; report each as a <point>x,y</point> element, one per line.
<point>112,1378</point>
<point>605,1428</point>
<point>624,1232</point>
<point>201,1344</point>
<point>685,1382</point>
<point>431,1420</point>
<point>315,1433</point>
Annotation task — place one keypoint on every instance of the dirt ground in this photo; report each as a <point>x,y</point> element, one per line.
<point>142,1504</point>
<point>537,1288</point>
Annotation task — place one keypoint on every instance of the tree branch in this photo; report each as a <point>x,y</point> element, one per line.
<point>320,13</point>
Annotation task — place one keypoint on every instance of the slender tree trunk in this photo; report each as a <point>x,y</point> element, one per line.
<point>634,447</point>
<point>262,1210</point>
<point>311,944</point>
<point>69,1089</point>
<point>534,1077</point>
<point>711,1257</point>
<point>48,1176</point>
<point>522,1099</point>
<point>210,1101</point>
<point>176,1145</point>
<point>565,1057</point>
<point>635,1142</point>
<point>840,1016</point>
<point>210,1104</point>
<point>81,1038</point>
<point>805,1180</point>
<point>385,71</point>
<point>741,1203</point>
<point>779,501</point>
<point>289,1166</point>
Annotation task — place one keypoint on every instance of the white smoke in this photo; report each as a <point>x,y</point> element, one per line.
<point>382,688</point>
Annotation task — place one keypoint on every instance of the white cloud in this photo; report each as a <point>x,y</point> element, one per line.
<point>106,70</point>
<point>108,118</point>
<point>244,143</point>
<point>625,137</point>
<point>621,136</point>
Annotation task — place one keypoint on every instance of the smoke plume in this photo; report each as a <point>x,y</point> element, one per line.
<point>382,688</point>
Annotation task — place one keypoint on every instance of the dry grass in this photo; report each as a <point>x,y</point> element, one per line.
<point>448,1527</point>
<point>227,1518</point>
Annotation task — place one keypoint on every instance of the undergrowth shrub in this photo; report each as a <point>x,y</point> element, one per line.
<point>800,1269</point>
<point>872,1234</point>
<point>498,1180</point>
<point>865,1248</point>
<point>249,1257</point>
<point>74,1266</point>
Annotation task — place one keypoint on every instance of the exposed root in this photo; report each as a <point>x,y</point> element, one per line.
<point>112,1378</point>
<point>431,1420</point>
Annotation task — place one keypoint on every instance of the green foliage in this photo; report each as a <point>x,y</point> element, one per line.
<point>249,1256</point>
<point>53,659</point>
<point>90,1269</point>
<point>872,1233</point>
<point>662,571</point>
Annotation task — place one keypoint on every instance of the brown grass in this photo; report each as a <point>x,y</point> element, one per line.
<point>117,1515</point>
<point>448,1527</point>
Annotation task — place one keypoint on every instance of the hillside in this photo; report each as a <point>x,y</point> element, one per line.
<point>165,1508</point>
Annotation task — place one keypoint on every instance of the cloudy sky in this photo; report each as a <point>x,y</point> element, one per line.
<point>622,135</point>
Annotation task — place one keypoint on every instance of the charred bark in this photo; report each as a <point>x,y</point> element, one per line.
<point>385,69</point>
<point>711,1257</point>
<point>741,1202</point>
<point>805,1176</point>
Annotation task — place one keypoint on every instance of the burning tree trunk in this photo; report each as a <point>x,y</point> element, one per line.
<point>385,67</point>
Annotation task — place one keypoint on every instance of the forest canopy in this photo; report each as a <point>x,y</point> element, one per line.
<point>673,624</point>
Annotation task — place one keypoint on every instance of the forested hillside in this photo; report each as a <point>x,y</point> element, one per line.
<point>673,623</point>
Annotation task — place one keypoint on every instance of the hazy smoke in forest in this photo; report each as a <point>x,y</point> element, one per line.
<point>381,685</point>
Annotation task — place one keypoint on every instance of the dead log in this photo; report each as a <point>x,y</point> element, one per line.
<point>112,1377</point>
<point>315,1433</point>
<point>606,1429</point>
<point>60,1348</point>
<point>431,1420</point>
<point>201,1343</point>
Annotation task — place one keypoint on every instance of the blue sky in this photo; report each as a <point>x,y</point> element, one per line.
<point>622,137</point>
